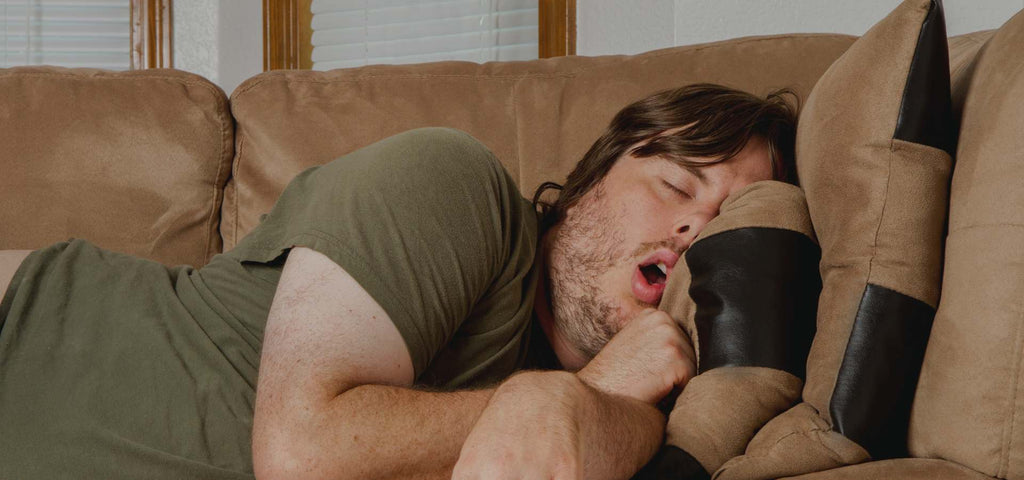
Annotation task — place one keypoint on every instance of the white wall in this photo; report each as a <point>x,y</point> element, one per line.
<point>240,54</point>
<point>195,36</point>
<point>617,26</point>
<point>221,40</point>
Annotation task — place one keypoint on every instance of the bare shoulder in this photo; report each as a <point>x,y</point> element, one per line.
<point>10,260</point>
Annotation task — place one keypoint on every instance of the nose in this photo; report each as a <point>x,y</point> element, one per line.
<point>686,230</point>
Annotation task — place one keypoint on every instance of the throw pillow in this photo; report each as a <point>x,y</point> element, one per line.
<point>874,154</point>
<point>746,293</point>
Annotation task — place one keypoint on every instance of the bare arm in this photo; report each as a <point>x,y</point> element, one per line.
<point>396,432</point>
<point>377,431</point>
<point>553,425</point>
<point>334,397</point>
<point>599,423</point>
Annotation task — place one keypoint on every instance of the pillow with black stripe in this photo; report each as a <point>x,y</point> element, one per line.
<point>746,296</point>
<point>874,155</point>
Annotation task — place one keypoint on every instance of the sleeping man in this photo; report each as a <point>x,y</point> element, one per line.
<point>408,313</point>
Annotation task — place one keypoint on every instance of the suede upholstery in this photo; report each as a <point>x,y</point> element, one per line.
<point>878,203</point>
<point>970,406</point>
<point>898,468</point>
<point>131,161</point>
<point>139,162</point>
<point>538,117</point>
<point>701,424</point>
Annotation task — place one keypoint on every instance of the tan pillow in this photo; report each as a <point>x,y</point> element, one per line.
<point>873,156</point>
<point>132,161</point>
<point>969,406</point>
<point>746,295</point>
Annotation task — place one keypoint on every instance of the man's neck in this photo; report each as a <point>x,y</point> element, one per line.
<point>570,358</point>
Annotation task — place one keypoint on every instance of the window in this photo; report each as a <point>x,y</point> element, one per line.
<point>349,33</point>
<point>359,32</point>
<point>107,34</point>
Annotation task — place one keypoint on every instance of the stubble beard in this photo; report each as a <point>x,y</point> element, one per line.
<point>585,246</point>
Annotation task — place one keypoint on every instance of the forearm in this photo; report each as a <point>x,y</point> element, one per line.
<point>377,431</point>
<point>540,423</point>
<point>618,434</point>
<point>408,433</point>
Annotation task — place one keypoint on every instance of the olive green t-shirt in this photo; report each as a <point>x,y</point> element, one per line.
<point>113,366</point>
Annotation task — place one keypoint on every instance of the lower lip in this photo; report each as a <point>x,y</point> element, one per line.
<point>644,291</point>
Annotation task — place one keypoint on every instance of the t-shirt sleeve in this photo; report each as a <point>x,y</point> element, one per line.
<point>424,221</point>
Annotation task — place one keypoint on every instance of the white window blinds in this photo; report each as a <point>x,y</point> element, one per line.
<point>350,33</point>
<point>70,33</point>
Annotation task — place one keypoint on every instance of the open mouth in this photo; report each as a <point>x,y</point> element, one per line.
<point>655,273</point>
<point>650,276</point>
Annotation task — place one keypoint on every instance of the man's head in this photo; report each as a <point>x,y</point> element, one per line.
<point>640,196</point>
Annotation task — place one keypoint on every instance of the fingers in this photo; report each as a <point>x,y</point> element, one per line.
<point>645,360</point>
<point>666,327</point>
<point>680,352</point>
<point>677,351</point>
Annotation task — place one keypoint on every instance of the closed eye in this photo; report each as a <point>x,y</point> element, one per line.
<point>678,191</point>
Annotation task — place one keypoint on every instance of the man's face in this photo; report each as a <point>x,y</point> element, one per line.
<point>603,258</point>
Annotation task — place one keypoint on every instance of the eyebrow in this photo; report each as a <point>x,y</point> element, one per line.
<point>697,173</point>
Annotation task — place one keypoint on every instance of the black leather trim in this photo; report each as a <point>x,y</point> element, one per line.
<point>672,463</point>
<point>875,385</point>
<point>926,112</point>
<point>756,291</point>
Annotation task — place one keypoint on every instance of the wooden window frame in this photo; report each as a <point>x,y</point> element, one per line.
<point>288,32</point>
<point>287,35</point>
<point>557,24</point>
<point>151,34</point>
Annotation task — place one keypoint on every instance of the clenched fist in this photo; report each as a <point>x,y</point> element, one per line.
<point>647,359</point>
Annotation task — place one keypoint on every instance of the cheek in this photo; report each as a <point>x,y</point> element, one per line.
<point>625,223</point>
<point>640,215</point>
<point>638,225</point>
<point>648,219</point>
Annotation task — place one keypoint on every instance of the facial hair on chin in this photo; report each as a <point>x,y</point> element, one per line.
<point>585,246</point>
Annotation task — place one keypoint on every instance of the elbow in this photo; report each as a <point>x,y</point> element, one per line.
<point>273,461</point>
<point>271,470</point>
<point>297,442</point>
<point>293,468</point>
<point>284,459</point>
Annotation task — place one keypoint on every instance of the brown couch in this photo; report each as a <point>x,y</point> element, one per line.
<point>161,164</point>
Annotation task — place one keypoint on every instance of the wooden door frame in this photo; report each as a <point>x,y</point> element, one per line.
<point>287,32</point>
<point>151,34</point>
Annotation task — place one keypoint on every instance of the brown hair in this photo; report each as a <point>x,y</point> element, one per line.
<point>716,124</point>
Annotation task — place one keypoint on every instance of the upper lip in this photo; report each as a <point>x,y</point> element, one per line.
<point>663,255</point>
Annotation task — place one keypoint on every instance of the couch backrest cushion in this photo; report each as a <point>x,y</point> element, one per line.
<point>131,161</point>
<point>969,406</point>
<point>538,117</point>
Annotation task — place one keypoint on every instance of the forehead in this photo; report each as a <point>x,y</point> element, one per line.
<point>751,164</point>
